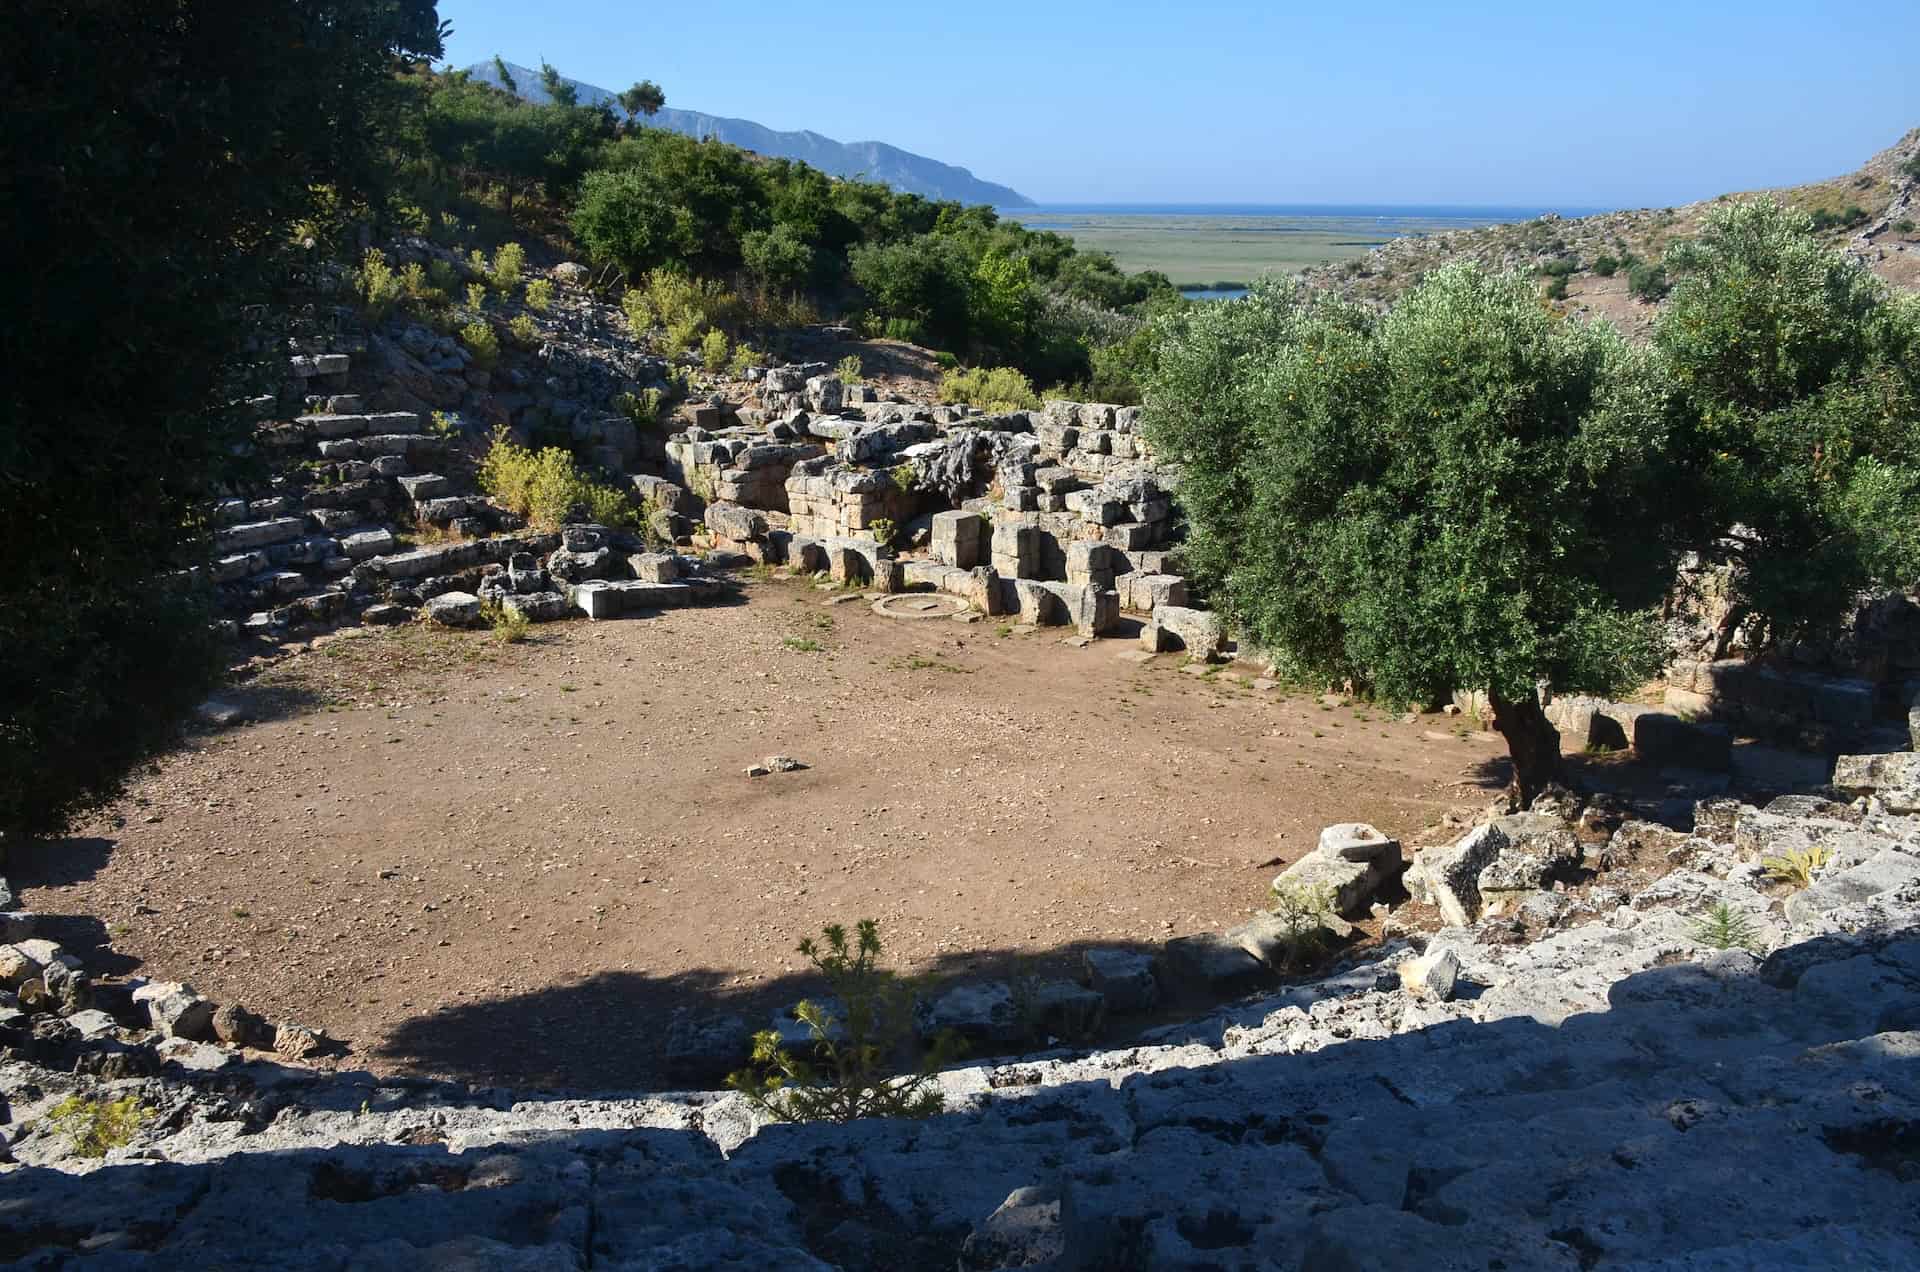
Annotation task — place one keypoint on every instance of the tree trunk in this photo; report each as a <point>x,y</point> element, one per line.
<point>1532,741</point>
<point>1729,628</point>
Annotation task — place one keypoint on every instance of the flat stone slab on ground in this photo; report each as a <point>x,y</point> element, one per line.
<point>1212,962</point>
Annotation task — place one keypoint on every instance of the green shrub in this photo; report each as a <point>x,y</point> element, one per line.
<point>444,424</point>
<point>1303,911</point>
<point>540,295</point>
<point>377,285</point>
<point>524,331</point>
<point>1904,225</point>
<point>95,1127</point>
<point>1647,281</point>
<point>1605,265</point>
<point>1725,928</point>
<point>482,342</point>
<point>1797,866</point>
<point>440,275</point>
<point>745,358</point>
<point>1561,267</point>
<point>849,369</point>
<point>680,335</point>
<point>504,273</point>
<point>509,625</point>
<point>1845,219</point>
<point>1557,289</point>
<point>638,312</point>
<point>713,350</point>
<point>548,488</point>
<point>476,297</point>
<point>643,408</point>
<point>992,389</point>
<point>780,259</point>
<point>850,1075</point>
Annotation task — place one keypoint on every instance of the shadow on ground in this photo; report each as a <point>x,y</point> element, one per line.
<point>610,1030</point>
<point>1719,1113</point>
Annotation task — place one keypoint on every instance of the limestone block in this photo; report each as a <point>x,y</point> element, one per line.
<point>454,609</point>
<point>1883,873</point>
<point>734,523</point>
<point>1124,977</point>
<point>1894,778</point>
<point>1538,847</point>
<point>1199,632</point>
<point>655,567</point>
<point>425,486</point>
<point>1097,564</point>
<point>175,1010</point>
<point>1212,962</point>
<point>1449,876</point>
<point>1357,841</point>
<point>259,534</point>
<point>537,607</point>
<point>1432,975</point>
<point>1350,884</point>
<point>600,600</point>
<point>978,1011</point>
<point>959,539</point>
<point>1660,738</point>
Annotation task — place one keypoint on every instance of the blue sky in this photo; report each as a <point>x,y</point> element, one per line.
<point>1614,105</point>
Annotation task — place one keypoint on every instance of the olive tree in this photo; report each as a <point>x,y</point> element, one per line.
<point>1798,380</point>
<point>1463,494</point>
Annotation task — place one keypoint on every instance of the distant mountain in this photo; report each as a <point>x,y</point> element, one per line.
<point>870,160</point>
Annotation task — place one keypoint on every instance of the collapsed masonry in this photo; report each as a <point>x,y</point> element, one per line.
<point>1058,516</point>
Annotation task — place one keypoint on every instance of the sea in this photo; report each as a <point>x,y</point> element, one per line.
<point>1381,220</point>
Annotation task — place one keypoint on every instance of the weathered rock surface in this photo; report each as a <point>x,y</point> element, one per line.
<point>1621,1092</point>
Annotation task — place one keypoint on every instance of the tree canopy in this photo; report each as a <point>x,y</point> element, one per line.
<point>1460,494</point>
<point>1798,377</point>
<point>136,229</point>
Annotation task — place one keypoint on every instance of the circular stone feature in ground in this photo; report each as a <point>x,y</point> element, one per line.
<point>919,605</point>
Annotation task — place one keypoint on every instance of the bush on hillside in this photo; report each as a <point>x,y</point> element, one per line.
<point>1606,265</point>
<point>990,389</point>
<point>1428,500</point>
<point>1845,219</point>
<point>1647,281</point>
<point>548,488</point>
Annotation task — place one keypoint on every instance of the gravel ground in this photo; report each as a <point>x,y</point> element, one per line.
<point>511,862</point>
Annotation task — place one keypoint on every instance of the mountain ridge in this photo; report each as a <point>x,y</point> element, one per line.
<point>869,160</point>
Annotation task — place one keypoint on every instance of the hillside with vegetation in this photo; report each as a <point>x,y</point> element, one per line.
<point>863,160</point>
<point>1612,265</point>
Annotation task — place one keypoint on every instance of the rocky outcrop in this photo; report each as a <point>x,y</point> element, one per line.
<point>1637,1087</point>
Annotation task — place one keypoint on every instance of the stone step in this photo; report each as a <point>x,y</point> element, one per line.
<point>613,600</point>
<point>258,534</point>
<point>306,366</point>
<point>334,426</point>
<point>421,487</point>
